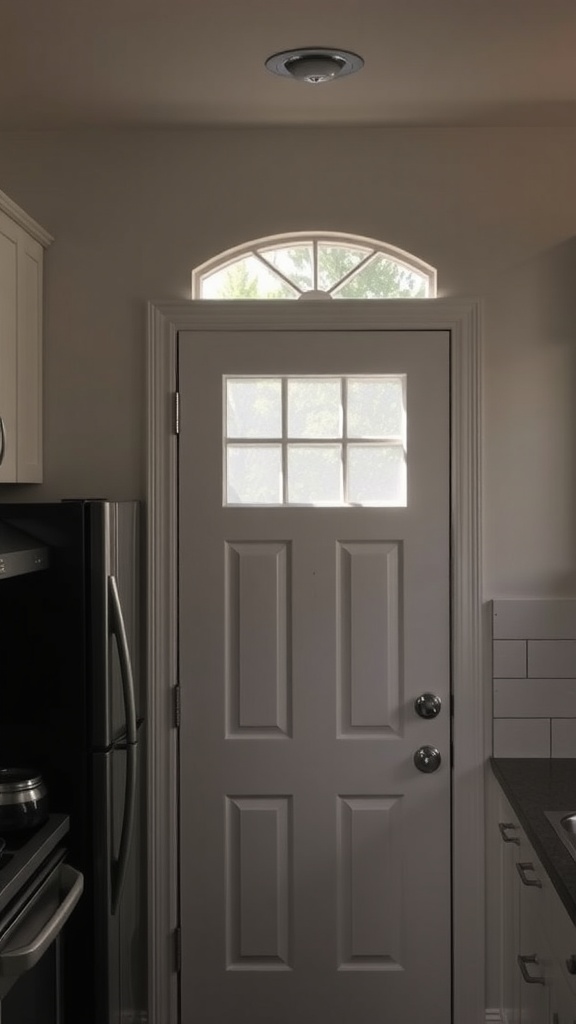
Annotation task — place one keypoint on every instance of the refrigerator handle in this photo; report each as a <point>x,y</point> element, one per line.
<point>119,873</point>
<point>118,630</point>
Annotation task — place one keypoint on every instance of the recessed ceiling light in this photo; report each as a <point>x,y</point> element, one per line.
<point>314,64</point>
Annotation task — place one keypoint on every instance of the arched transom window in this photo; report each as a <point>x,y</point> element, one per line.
<point>314,265</point>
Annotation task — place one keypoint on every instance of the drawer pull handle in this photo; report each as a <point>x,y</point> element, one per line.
<point>2,440</point>
<point>503,832</point>
<point>571,964</point>
<point>522,869</point>
<point>522,961</point>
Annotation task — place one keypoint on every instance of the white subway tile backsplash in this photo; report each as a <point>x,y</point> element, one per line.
<point>534,678</point>
<point>510,659</point>
<point>522,737</point>
<point>535,698</point>
<point>534,620</point>
<point>552,659</point>
<point>564,737</point>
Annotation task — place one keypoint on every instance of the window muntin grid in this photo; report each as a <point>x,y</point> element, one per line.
<point>325,265</point>
<point>314,441</point>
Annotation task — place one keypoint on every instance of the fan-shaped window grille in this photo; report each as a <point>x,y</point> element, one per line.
<point>314,266</point>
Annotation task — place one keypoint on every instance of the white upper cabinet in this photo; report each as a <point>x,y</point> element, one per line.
<point>22,244</point>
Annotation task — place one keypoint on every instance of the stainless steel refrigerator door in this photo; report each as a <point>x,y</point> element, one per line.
<point>114,567</point>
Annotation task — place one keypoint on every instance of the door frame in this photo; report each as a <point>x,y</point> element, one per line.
<point>462,318</point>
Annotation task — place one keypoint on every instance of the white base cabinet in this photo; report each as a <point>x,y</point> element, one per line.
<point>562,1006</point>
<point>22,244</point>
<point>536,938</point>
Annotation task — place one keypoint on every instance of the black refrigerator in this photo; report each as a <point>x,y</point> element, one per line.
<point>71,706</point>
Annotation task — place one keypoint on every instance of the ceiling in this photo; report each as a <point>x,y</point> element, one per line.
<point>159,63</point>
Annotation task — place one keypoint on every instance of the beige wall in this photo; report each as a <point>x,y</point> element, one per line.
<point>493,209</point>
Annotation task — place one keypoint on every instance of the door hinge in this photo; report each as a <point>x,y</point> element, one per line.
<point>177,707</point>
<point>177,950</point>
<point>176,412</point>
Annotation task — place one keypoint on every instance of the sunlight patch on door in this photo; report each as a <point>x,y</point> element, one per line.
<point>315,441</point>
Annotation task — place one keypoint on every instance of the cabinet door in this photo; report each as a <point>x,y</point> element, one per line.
<point>533,956</point>
<point>21,258</point>
<point>9,238</point>
<point>562,1000</point>
<point>537,937</point>
<point>29,353</point>
<point>510,913</point>
<point>562,932</point>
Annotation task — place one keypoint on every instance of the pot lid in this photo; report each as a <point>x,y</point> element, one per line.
<point>12,779</point>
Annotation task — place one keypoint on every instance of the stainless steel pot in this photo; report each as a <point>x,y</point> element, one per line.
<point>23,799</point>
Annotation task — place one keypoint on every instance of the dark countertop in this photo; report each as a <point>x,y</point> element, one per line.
<point>533,786</point>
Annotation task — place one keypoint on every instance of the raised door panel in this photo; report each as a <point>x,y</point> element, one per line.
<point>9,239</point>
<point>29,346</point>
<point>21,259</point>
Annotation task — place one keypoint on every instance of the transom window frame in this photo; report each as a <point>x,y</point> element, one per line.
<point>258,247</point>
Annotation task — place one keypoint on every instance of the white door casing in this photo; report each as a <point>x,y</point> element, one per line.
<point>462,321</point>
<point>315,857</point>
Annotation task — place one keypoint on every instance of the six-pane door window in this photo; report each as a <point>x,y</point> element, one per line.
<point>315,441</point>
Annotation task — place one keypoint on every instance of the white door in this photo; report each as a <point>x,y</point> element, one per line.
<point>315,856</point>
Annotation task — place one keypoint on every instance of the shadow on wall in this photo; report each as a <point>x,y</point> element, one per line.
<point>530,428</point>
<point>555,293</point>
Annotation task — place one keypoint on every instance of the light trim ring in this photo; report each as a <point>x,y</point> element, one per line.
<point>314,64</point>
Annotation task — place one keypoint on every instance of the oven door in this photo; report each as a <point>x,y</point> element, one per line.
<point>30,932</point>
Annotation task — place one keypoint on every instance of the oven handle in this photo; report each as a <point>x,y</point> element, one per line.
<point>15,962</point>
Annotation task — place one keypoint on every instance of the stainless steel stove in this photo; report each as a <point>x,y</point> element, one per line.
<point>22,853</point>
<point>38,891</point>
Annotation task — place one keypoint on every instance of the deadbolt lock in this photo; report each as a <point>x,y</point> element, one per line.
<point>427,705</point>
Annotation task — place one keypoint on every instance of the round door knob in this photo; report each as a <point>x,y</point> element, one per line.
<point>427,705</point>
<point>427,759</point>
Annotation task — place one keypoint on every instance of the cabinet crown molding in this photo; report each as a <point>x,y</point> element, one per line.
<point>17,214</point>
